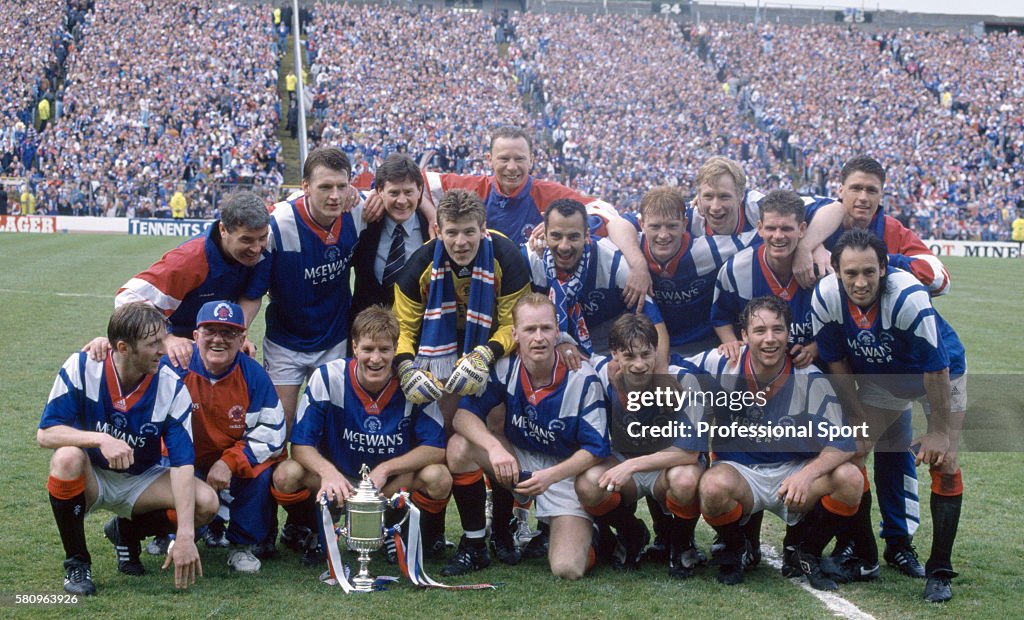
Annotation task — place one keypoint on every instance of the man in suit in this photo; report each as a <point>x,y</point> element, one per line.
<point>380,254</point>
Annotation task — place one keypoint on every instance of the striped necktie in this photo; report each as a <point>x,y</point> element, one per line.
<point>396,256</point>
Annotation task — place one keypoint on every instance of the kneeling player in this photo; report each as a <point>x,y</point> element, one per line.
<point>554,430</point>
<point>879,322</point>
<point>105,421</point>
<point>239,430</point>
<point>666,470</point>
<point>354,413</point>
<point>788,475</point>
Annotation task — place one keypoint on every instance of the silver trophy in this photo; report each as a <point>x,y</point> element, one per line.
<point>364,527</point>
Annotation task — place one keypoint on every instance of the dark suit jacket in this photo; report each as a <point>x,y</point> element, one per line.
<point>368,290</point>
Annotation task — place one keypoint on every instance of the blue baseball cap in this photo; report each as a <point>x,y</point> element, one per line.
<point>221,313</point>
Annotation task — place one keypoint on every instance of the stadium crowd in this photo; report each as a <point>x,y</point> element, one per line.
<point>623,127</point>
<point>445,85</point>
<point>195,109</point>
<point>940,112</point>
<point>188,103</point>
<point>37,37</point>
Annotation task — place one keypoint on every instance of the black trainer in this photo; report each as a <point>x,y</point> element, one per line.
<point>294,536</point>
<point>809,566</point>
<point>682,563</point>
<point>730,567</point>
<point>312,551</point>
<point>214,536</point>
<point>850,570</point>
<point>265,550</point>
<point>900,553</point>
<point>471,556</point>
<point>658,552</point>
<point>938,589</point>
<point>843,550</point>
<point>78,578</point>
<point>434,549</point>
<point>751,556</point>
<point>538,545</point>
<point>504,548</point>
<point>632,542</point>
<point>127,551</point>
<point>607,541</point>
<point>751,553</point>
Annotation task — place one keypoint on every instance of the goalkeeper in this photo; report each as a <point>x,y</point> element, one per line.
<point>453,300</point>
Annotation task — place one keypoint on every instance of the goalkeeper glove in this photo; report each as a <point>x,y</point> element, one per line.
<point>419,385</point>
<point>471,372</point>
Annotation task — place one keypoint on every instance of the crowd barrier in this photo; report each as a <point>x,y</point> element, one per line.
<point>48,224</point>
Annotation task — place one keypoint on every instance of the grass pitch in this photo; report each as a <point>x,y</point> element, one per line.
<point>56,293</point>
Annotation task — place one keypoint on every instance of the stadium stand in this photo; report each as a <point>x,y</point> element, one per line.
<point>159,98</point>
<point>617,103</point>
<point>392,81</point>
<point>36,39</point>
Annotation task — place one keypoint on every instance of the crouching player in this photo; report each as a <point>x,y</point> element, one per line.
<point>353,413</point>
<point>554,430</point>
<point>785,473</point>
<point>105,421</point>
<point>666,470</point>
<point>239,431</point>
<point>879,322</point>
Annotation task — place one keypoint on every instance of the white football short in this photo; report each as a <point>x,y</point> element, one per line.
<point>287,367</point>
<point>764,481</point>
<point>644,480</point>
<point>118,491</point>
<point>877,396</point>
<point>560,499</point>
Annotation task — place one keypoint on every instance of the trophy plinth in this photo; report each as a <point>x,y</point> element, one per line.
<point>364,527</point>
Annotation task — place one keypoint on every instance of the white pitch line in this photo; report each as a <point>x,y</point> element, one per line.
<point>17,292</point>
<point>835,603</point>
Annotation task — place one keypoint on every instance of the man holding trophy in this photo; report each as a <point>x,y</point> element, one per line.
<point>354,413</point>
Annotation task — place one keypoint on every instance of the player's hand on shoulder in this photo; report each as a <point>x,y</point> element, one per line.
<point>179,350</point>
<point>810,266</point>
<point>731,351</point>
<point>570,354</point>
<point>638,285</point>
<point>98,348</point>
<point>418,384</point>
<point>249,348</point>
<point>803,354</point>
<point>803,267</point>
<point>537,241</point>
<point>373,210</point>
<point>350,200</point>
<point>470,373</point>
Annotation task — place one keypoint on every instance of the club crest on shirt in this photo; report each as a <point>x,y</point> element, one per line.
<point>865,338</point>
<point>372,425</point>
<point>236,413</point>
